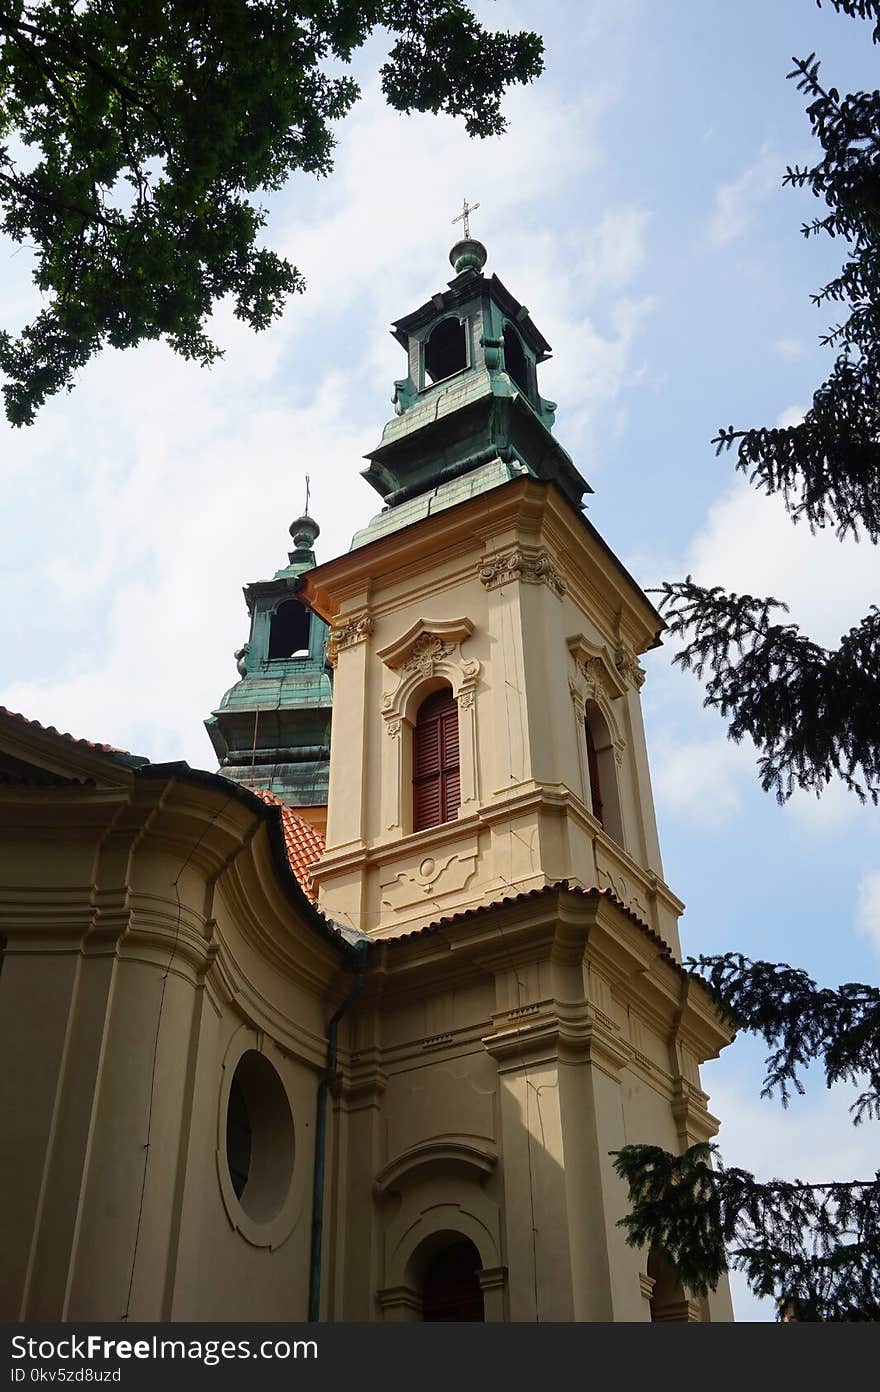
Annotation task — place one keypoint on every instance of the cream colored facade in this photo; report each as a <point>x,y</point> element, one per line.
<point>514,601</point>
<point>223,1103</point>
<point>153,936</point>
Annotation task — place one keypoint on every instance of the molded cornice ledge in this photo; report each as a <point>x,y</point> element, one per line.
<point>572,1034</point>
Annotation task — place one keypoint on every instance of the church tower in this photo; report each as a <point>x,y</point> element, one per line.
<point>272,729</point>
<point>487,641</point>
<point>491,835</point>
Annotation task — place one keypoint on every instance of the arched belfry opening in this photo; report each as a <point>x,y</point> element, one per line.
<point>515,362</point>
<point>435,761</point>
<point>289,631</point>
<point>446,350</point>
<point>451,1282</point>
<point>602,772</point>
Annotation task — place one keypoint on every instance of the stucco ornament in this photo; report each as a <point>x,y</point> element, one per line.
<point>629,667</point>
<point>530,567</point>
<point>428,650</point>
<point>354,630</point>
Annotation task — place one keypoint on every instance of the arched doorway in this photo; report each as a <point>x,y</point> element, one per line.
<point>451,1283</point>
<point>446,1271</point>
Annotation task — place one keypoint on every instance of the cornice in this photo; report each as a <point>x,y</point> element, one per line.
<point>523,505</point>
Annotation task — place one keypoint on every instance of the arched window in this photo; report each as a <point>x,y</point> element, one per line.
<point>515,364</point>
<point>289,630</point>
<point>451,1285</point>
<point>602,772</point>
<point>669,1300</point>
<point>446,350</point>
<point>593,770</point>
<point>436,784</point>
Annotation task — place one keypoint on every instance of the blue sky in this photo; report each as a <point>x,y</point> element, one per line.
<point>635,206</point>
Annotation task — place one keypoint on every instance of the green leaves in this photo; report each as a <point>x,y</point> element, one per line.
<point>145,129</point>
<point>806,1024</point>
<point>676,1210</point>
<point>814,1247</point>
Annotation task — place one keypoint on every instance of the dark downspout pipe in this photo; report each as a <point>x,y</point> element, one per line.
<point>360,950</point>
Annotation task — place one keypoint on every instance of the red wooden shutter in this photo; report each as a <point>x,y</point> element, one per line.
<point>593,767</point>
<point>436,787</point>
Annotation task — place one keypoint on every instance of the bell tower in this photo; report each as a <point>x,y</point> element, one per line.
<point>486,642</point>
<point>271,730</point>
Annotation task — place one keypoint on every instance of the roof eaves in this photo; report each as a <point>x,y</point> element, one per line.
<point>271,815</point>
<point>558,886</point>
<point>119,756</point>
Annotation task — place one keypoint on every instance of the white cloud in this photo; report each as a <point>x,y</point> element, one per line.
<point>162,487</point>
<point>792,415</point>
<point>789,348</point>
<point>737,203</point>
<point>868,907</point>
<point>702,780</point>
<point>749,544</point>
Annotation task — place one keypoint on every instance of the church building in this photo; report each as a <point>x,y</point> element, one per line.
<point>348,1029</point>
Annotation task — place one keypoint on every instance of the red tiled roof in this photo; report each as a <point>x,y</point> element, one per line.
<point>303,843</point>
<point>558,885</point>
<point>60,734</point>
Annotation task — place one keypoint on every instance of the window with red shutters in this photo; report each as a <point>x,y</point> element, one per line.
<point>436,785</point>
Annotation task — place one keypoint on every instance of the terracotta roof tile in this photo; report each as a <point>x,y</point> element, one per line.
<point>303,843</point>
<point>61,734</point>
<point>595,893</point>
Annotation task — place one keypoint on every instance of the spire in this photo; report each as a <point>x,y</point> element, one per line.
<point>467,254</point>
<point>468,415</point>
<point>305,531</point>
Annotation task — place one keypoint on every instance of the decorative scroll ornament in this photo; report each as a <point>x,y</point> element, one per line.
<point>347,634</point>
<point>534,569</point>
<point>629,667</point>
<point>427,650</point>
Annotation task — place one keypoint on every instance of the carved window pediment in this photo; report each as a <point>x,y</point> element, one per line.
<point>426,641</point>
<point>597,664</point>
<point>430,648</point>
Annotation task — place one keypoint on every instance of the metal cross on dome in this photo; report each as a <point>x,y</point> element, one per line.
<point>464,216</point>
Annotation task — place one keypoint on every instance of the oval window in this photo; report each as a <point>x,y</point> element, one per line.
<point>259,1137</point>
